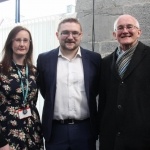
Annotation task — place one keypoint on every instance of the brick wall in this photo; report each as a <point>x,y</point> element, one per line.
<point>106,12</point>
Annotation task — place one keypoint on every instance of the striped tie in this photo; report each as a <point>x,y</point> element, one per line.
<point>124,59</point>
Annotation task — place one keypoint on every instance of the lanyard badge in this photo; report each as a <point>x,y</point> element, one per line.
<point>22,115</point>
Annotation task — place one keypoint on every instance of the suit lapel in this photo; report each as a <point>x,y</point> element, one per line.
<point>137,57</point>
<point>113,66</point>
<point>53,64</point>
<point>86,65</point>
<point>53,72</point>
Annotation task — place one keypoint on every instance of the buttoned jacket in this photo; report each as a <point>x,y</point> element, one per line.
<point>124,104</point>
<point>47,69</point>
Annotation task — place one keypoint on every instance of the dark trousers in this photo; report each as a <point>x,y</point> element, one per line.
<point>71,137</point>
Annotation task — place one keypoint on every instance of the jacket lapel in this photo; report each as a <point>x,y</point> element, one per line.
<point>137,57</point>
<point>53,72</point>
<point>53,64</point>
<point>113,65</point>
<point>86,65</point>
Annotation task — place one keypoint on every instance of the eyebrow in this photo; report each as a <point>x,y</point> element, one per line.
<point>125,25</point>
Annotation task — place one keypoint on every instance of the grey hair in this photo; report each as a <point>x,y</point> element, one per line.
<point>136,22</point>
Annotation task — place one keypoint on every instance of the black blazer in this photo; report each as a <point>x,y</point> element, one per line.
<point>47,67</point>
<point>124,105</point>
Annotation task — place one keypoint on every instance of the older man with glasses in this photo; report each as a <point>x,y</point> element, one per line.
<point>124,104</point>
<point>69,82</point>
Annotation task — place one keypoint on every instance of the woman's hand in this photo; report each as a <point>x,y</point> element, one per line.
<point>6,147</point>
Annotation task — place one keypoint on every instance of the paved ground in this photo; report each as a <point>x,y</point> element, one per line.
<point>97,145</point>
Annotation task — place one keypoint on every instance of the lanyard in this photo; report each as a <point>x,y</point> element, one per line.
<point>24,92</point>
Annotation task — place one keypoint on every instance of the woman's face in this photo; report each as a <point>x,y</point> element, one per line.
<point>21,44</point>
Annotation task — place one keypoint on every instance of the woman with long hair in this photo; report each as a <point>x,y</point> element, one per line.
<point>19,117</point>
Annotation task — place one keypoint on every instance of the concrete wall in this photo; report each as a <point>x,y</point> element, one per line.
<point>106,12</point>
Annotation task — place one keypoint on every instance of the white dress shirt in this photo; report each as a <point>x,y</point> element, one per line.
<point>70,99</point>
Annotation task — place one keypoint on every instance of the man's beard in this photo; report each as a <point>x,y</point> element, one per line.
<point>64,47</point>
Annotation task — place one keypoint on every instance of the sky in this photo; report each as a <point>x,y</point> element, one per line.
<point>35,8</point>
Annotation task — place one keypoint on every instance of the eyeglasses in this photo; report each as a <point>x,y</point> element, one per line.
<point>75,34</point>
<point>18,40</point>
<point>129,27</point>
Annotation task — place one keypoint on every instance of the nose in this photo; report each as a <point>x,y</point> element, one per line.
<point>70,35</point>
<point>125,29</point>
<point>21,42</point>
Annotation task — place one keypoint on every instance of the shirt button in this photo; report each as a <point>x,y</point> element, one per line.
<point>119,106</point>
<point>119,133</point>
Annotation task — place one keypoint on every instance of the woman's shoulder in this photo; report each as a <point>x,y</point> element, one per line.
<point>1,66</point>
<point>33,69</point>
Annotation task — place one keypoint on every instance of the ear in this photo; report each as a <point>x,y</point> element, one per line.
<point>81,35</point>
<point>139,32</point>
<point>115,35</point>
<point>57,34</point>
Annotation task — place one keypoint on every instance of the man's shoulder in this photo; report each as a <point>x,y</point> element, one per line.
<point>48,53</point>
<point>142,45</point>
<point>91,53</point>
<point>109,56</point>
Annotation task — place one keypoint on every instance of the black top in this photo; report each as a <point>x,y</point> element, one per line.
<point>3,142</point>
<point>23,133</point>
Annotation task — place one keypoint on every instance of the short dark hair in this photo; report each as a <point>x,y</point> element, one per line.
<point>69,20</point>
<point>8,52</point>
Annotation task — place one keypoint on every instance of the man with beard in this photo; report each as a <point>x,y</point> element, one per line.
<point>69,82</point>
<point>124,104</point>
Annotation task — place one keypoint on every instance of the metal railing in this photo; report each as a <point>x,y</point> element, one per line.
<point>43,35</point>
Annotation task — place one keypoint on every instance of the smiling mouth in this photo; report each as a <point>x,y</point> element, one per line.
<point>125,36</point>
<point>69,42</point>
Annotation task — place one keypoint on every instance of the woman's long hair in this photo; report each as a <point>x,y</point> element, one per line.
<point>8,52</point>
